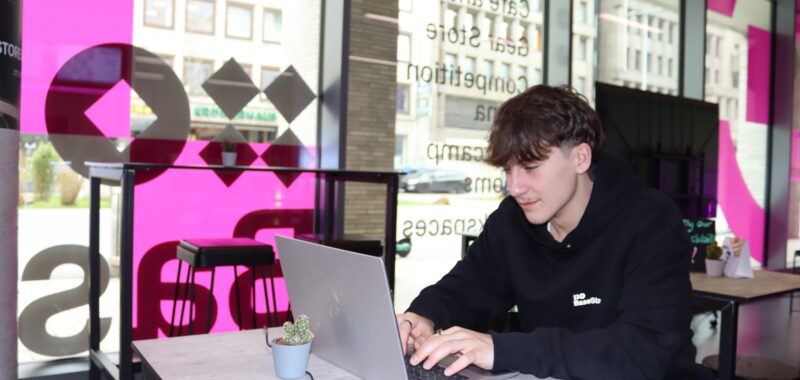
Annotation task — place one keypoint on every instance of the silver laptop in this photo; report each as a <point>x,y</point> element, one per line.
<point>347,299</point>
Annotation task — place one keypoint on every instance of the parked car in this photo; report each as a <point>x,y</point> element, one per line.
<point>435,181</point>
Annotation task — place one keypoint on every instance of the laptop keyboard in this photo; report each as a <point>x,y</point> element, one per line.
<point>437,372</point>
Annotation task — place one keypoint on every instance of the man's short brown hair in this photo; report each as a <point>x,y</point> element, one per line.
<point>526,126</point>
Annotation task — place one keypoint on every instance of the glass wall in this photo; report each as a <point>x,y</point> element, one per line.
<point>159,81</point>
<point>737,77</point>
<point>794,177</point>
<point>638,45</point>
<point>457,61</point>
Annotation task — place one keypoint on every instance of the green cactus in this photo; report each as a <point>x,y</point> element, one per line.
<point>297,333</point>
<point>713,251</point>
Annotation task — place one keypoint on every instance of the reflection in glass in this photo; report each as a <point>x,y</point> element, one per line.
<point>448,92</point>
<point>239,21</point>
<point>633,48</point>
<point>159,13</point>
<point>469,65</point>
<point>403,48</point>
<point>195,72</point>
<point>273,27</point>
<point>200,16</point>
<point>403,99</point>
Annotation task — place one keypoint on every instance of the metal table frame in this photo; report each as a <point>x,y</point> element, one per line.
<point>125,175</point>
<point>728,305</point>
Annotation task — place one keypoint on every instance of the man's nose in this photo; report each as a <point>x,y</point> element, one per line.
<point>512,181</point>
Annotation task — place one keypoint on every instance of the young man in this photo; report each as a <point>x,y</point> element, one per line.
<point>597,264</point>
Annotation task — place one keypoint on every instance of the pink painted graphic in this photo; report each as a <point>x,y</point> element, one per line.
<point>724,7</point>
<point>54,31</point>
<point>795,159</point>
<point>797,22</point>
<point>745,217</point>
<point>186,204</point>
<point>758,73</point>
<point>106,112</point>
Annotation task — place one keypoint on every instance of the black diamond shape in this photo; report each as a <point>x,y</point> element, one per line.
<point>212,155</point>
<point>289,93</point>
<point>287,151</point>
<point>231,88</point>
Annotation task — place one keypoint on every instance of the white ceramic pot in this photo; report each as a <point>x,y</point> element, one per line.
<point>229,158</point>
<point>714,268</point>
<point>290,361</point>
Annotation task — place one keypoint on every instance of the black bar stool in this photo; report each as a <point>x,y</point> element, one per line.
<point>212,253</point>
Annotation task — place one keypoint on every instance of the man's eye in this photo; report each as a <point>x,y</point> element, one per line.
<point>531,167</point>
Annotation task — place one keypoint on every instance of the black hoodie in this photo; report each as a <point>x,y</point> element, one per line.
<point>612,301</point>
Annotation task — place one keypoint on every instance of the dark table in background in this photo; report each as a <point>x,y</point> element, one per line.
<point>727,294</point>
<point>125,175</point>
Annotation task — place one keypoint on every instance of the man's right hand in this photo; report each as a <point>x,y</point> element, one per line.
<point>414,329</point>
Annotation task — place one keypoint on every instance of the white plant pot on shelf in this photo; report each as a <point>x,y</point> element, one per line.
<point>714,268</point>
<point>229,158</point>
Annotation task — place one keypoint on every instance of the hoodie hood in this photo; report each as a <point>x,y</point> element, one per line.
<point>613,182</point>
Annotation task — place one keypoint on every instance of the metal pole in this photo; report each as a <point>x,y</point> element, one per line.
<point>126,276</point>
<point>10,67</point>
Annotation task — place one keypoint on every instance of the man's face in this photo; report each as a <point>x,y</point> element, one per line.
<point>542,189</point>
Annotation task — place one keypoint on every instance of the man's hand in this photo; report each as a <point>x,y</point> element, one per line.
<point>414,329</point>
<point>469,346</point>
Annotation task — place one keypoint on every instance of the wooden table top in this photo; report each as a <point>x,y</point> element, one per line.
<point>232,355</point>
<point>763,284</point>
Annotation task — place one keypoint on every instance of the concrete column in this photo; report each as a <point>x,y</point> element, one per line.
<point>10,67</point>
<point>557,42</point>
<point>780,133</point>
<point>693,50</point>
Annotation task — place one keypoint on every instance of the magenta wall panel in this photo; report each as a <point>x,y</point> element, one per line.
<point>724,7</point>
<point>184,204</point>
<point>76,87</point>
<point>54,31</point>
<point>745,217</point>
<point>758,72</point>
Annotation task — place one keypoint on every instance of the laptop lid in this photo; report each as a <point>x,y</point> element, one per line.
<point>347,299</point>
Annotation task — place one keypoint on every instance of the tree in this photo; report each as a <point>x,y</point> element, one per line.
<point>42,171</point>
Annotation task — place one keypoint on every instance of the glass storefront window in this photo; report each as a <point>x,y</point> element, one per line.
<point>200,16</point>
<point>464,59</point>
<point>635,39</point>
<point>130,82</point>
<point>737,56</point>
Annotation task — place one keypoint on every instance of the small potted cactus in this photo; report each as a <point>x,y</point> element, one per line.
<point>714,263</point>
<point>228,153</point>
<point>291,352</point>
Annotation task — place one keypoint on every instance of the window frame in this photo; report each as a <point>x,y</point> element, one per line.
<point>213,18</point>
<point>228,7</point>
<point>172,19</point>
<point>183,74</point>
<point>263,24</point>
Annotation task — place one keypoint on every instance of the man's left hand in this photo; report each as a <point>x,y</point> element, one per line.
<point>469,346</point>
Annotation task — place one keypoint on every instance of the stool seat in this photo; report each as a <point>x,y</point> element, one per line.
<point>206,253</point>
<point>231,252</point>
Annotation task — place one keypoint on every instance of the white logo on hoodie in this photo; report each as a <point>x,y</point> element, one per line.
<point>581,300</point>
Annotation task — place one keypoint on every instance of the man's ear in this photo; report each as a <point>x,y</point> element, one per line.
<point>582,154</point>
